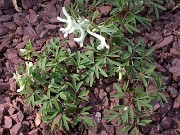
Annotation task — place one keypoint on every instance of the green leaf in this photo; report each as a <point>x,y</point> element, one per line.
<point>49,110</point>
<point>131,113</point>
<point>111,117</point>
<point>149,51</point>
<point>79,85</point>
<point>102,72</point>
<point>63,95</point>
<point>130,28</point>
<point>83,93</point>
<point>75,121</point>
<point>163,97</point>
<point>53,124</point>
<point>138,106</point>
<point>144,122</point>
<point>126,128</point>
<point>134,131</point>
<point>65,119</point>
<point>88,121</point>
<point>70,105</point>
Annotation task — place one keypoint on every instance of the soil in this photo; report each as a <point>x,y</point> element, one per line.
<point>38,23</point>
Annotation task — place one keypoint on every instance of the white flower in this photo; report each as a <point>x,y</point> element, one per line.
<point>23,50</point>
<point>69,28</point>
<point>18,79</point>
<point>101,38</point>
<point>79,40</point>
<point>28,66</point>
<point>20,89</point>
<point>126,108</point>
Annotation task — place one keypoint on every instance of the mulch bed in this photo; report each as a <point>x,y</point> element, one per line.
<point>38,23</point>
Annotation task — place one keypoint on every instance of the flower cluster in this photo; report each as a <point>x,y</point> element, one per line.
<point>82,26</point>
<point>20,79</point>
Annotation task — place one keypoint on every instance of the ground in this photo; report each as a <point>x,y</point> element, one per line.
<point>38,23</point>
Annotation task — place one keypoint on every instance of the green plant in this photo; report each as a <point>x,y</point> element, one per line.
<point>52,84</point>
<point>58,81</point>
<point>139,68</point>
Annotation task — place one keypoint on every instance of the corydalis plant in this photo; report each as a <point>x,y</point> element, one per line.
<point>82,26</point>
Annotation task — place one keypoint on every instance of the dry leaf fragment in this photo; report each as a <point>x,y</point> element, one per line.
<point>38,119</point>
<point>16,6</point>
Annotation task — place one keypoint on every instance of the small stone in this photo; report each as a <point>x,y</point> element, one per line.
<point>7,122</point>
<point>166,122</point>
<point>170,27</point>
<point>1,69</point>
<point>15,129</point>
<point>109,80</point>
<point>19,31</point>
<point>166,41</point>
<point>54,20</point>
<point>177,18</point>
<point>155,37</point>
<point>50,26</point>
<point>145,129</point>
<point>10,25</point>
<point>91,132</point>
<point>155,104</point>
<point>166,80</point>
<point>33,17</point>
<point>3,87</point>
<point>27,4</point>
<point>103,133</point>
<point>21,21</point>
<point>5,18</point>
<point>1,131</point>
<point>175,52</point>
<point>11,109</point>
<point>20,116</point>
<point>3,31</point>
<point>160,68</point>
<point>39,28</point>
<point>164,109</point>
<point>156,117</point>
<point>173,92</point>
<point>174,69</point>
<point>15,118</point>
<point>72,43</point>
<point>12,84</point>
<point>170,132</point>
<point>105,10</point>
<point>30,30</point>
<point>176,104</point>
<point>33,132</point>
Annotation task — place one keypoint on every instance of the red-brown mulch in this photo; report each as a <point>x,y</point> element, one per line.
<point>38,23</point>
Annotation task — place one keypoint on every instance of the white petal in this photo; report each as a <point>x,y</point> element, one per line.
<point>82,37</point>
<point>69,20</point>
<point>61,19</point>
<point>65,34</point>
<point>20,89</point>
<point>101,38</point>
<point>71,30</point>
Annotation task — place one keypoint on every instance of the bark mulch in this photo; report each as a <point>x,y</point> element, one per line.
<point>38,23</point>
